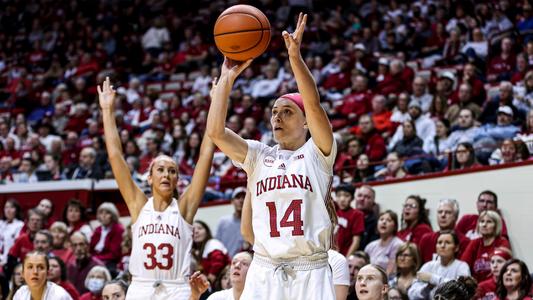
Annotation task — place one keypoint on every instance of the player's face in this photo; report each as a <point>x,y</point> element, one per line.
<point>343,199</point>
<point>496,264</point>
<point>369,284</point>
<point>113,292</point>
<point>446,216</point>
<point>239,267</point>
<point>199,234</point>
<point>512,276</point>
<point>487,227</point>
<point>287,120</point>
<point>446,246</point>
<point>385,225</point>
<point>54,273</point>
<point>164,176</point>
<point>35,271</point>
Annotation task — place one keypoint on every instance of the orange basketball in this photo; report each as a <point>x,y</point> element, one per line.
<point>242,32</point>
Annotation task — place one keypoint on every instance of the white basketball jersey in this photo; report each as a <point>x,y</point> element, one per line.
<point>161,244</point>
<point>289,191</point>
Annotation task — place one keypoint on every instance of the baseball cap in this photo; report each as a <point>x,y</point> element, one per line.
<point>448,75</point>
<point>414,103</point>
<point>237,191</point>
<point>359,46</point>
<point>505,110</point>
<point>383,61</point>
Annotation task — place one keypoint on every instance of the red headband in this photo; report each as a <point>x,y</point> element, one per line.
<point>502,253</point>
<point>296,98</point>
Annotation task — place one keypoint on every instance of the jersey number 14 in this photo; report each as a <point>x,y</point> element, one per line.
<point>294,209</point>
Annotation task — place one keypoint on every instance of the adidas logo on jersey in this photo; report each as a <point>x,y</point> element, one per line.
<point>281,167</point>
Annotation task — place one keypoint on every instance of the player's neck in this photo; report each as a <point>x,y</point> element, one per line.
<point>160,203</point>
<point>292,145</point>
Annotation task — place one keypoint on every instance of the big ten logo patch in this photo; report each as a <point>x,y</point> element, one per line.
<point>269,161</point>
<point>299,156</point>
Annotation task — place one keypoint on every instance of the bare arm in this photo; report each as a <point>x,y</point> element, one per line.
<point>341,292</point>
<point>247,230</point>
<point>133,196</point>
<point>356,239</point>
<point>228,141</point>
<point>316,117</point>
<point>192,197</point>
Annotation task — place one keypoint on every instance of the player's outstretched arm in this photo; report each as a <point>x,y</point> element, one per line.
<point>228,141</point>
<point>317,119</point>
<point>133,196</point>
<point>192,197</point>
<point>247,230</point>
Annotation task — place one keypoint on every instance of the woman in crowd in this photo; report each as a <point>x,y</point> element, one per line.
<point>415,221</point>
<point>115,290</point>
<point>382,252</point>
<point>527,133</point>
<point>394,168</point>
<point>58,275</point>
<point>47,209</point>
<point>209,252</point>
<point>410,144</point>
<point>514,282</point>
<point>94,282</point>
<point>190,154</point>
<point>10,227</point>
<point>35,270</point>
<point>407,263</point>
<point>458,289</point>
<point>364,172</point>
<point>489,226</point>
<point>106,239</point>
<point>395,294</point>
<point>371,283</point>
<point>76,219</point>
<point>486,290</point>
<point>60,242</point>
<point>464,157</point>
<point>223,281</point>
<point>439,145</point>
<point>436,272</point>
<point>17,280</point>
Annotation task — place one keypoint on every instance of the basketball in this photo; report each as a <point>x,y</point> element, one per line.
<point>242,32</point>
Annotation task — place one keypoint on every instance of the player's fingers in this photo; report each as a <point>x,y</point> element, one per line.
<point>99,89</point>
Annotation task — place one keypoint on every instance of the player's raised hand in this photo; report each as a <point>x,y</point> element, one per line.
<point>106,94</point>
<point>232,68</point>
<point>294,40</point>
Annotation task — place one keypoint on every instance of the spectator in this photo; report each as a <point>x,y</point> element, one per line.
<point>266,88</point>
<point>464,157</point>
<point>465,130</point>
<point>527,134</point>
<point>493,107</point>
<point>87,166</point>
<point>445,268</point>
<point>500,67</point>
<point>365,201</point>
<point>477,253</point>
<point>210,253</point>
<point>155,38</point>
<point>10,227</point>
<point>420,93</point>
<point>350,225</point>
<point>471,76</point>
<point>46,207</point>
<point>52,169</point>
<point>447,215</point>
<point>439,146</point>
<point>381,115</point>
<point>410,144</point>
<point>371,138</point>
<point>458,289</point>
<point>42,242</point>
<point>16,281</point>
<point>58,275</point>
<point>395,294</point>
<point>507,153</point>
<point>514,281</point>
<point>60,247</point>
<point>382,252</point>
<point>355,262</point>
<point>465,101</point>
<point>26,171</point>
<point>106,239</point>
<point>115,290</point>
<point>487,289</point>
<point>229,227</point>
<point>78,269</point>
<point>372,283</point>
<point>467,225</point>
<point>94,282</point>
<point>407,264</point>
<point>354,104</point>
<point>425,127</point>
<point>191,154</point>
<point>399,112</point>
<point>394,168</point>
<point>75,217</point>
<point>415,221</point>
<point>347,159</point>
<point>364,171</point>
<point>238,270</point>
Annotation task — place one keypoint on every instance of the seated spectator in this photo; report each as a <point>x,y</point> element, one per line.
<point>371,283</point>
<point>115,290</point>
<point>477,48</point>
<point>74,216</point>
<point>350,225</point>
<point>439,146</point>
<point>447,214</point>
<point>465,100</point>
<point>395,294</point>
<point>425,127</point>
<point>410,144</point>
<point>35,270</point>
<point>420,94</point>
<point>527,133</point>
<point>58,275</point>
<point>106,239</point>
<point>78,269</point>
<point>464,157</point>
<point>467,225</point>
<point>238,270</point>
<point>487,289</point>
<point>381,115</point>
<point>399,112</point>
<point>458,289</point>
<point>190,155</point>
<point>507,153</point>
<point>46,207</point>
<point>26,171</point>
<point>10,227</point>
<point>478,251</point>
<point>382,252</point>
<point>365,201</point>
<point>514,281</point>
<point>210,253</point>
<point>407,264</point>
<point>493,107</point>
<point>445,268</point>
<point>354,104</point>
<point>364,171</point>
<point>52,169</point>
<point>464,131</point>
<point>501,66</point>
<point>471,76</point>
<point>87,166</point>
<point>395,82</point>
<point>347,160</point>
<point>42,242</point>
<point>394,168</point>
<point>415,221</point>
<point>94,282</point>
<point>16,281</point>
<point>374,144</point>
<point>229,226</point>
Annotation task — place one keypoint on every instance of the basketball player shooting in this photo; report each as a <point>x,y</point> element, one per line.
<point>289,184</point>
<point>161,230</point>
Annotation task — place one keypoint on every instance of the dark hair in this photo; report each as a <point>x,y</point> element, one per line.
<point>34,211</point>
<point>218,280</point>
<point>198,248</point>
<point>121,283</point>
<point>18,209</point>
<point>394,217</point>
<point>348,188</point>
<point>413,250</point>
<point>522,152</point>
<point>454,237</point>
<point>525,281</point>
<point>461,288</point>
<point>62,266</point>
<point>471,157</point>
<point>422,211</point>
<point>74,203</point>
<point>491,193</point>
<point>48,235</point>
<point>362,255</point>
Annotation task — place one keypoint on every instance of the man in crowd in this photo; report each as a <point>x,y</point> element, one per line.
<point>77,270</point>
<point>487,200</point>
<point>229,227</point>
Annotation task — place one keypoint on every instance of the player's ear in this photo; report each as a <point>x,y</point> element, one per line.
<point>305,125</point>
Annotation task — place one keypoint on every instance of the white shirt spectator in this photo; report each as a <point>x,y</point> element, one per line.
<point>481,48</point>
<point>267,87</point>
<point>425,128</point>
<point>380,254</point>
<point>439,274</point>
<point>8,234</point>
<point>155,37</point>
<point>425,101</point>
<point>202,85</point>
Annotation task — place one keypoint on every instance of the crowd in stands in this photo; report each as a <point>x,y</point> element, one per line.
<point>410,88</point>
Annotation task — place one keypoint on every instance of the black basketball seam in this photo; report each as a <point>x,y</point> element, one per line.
<point>262,32</point>
<point>249,30</point>
<point>235,52</point>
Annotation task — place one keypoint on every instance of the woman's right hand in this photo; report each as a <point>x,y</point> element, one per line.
<point>106,94</point>
<point>232,68</point>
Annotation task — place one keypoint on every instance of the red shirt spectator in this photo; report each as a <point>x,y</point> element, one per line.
<point>347,159</point>
<point>111,250</point>
<point>375,146</point>
<point>477,256</point>
<point>415,220</point>
<point>90,296</point>
<point>71,290</point>
<point>414,234</point>
<point>23,245</point>
<point>351,222</point>
<point>502,66</point>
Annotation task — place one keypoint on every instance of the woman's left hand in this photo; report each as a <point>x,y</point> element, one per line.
<point>423,276</point>
<point>294,40</point>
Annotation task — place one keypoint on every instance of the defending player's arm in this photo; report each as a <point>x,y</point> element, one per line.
<point>228,141</point>
<point>192,197</point>
<point>247,230</point>
<point>316,117</point>
<point>133,196</point>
